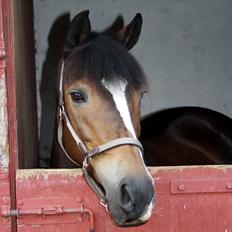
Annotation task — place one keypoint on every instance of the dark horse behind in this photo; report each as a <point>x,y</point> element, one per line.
<point>187,136</point>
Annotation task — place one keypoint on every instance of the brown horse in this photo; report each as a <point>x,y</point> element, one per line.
<point>101,86</point>
<point>187,136</point>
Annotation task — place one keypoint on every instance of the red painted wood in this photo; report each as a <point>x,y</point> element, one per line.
<point>202,211</point>
<point>5,224</point>
<point>8,33</point>
<point>5,200</point>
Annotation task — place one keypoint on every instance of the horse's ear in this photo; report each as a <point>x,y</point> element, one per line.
<point>79,31</point>
<point>129,35</point>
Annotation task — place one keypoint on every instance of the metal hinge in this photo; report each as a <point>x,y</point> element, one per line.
<point>48,211</point>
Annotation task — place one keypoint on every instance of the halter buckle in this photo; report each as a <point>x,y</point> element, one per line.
<point>93,152</point>
<point>61,110</point>
<point>60,99</point>
<point>89,155</point>
<point>85,163</point>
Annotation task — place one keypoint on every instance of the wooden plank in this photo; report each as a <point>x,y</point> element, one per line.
<point>4,155</point>
<point>208,211</point>
<point>5,223</point>
<point>8,35</point>
<point>25,83</point>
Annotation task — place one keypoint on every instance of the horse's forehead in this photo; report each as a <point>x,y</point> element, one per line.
<point>118,88</point>
<point>118,92</point>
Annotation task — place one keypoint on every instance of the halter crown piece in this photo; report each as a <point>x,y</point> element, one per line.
<point>89,154</point>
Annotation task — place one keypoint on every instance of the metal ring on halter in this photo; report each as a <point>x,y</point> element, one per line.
<point>105,205</point>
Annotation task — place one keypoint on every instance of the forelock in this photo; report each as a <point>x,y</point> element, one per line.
<point>103,58</point>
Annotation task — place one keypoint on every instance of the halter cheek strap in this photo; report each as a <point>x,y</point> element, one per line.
<point>89,154</point>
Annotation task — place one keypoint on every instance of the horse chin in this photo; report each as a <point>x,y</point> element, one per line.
<point>130,224</point>
<point>145,216</point>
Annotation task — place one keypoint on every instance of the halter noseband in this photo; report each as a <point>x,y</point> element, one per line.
<point>89,154</point>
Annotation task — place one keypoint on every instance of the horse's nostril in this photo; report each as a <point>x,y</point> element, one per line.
<point>126,198</point>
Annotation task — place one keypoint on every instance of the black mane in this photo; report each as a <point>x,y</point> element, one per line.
<point>102,57</point>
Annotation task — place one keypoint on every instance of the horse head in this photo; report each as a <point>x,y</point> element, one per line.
<point>101,87</point>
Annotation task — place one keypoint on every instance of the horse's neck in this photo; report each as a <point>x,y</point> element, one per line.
<point>59,160</point>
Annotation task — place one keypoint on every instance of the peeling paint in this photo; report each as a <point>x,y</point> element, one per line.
<point>23,174</point>
<point>154,170</point>
<point>4,150</point>
<point>37,173</point>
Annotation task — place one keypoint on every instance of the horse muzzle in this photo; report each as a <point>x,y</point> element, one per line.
<point>132,202</point>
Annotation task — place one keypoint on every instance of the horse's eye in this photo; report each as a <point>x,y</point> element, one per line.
<point>77,97</point>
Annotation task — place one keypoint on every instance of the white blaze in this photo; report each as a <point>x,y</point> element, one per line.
<point>118,93</point>
<point>119,96</point>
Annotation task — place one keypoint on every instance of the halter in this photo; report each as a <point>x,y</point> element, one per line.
<point>89,154</point>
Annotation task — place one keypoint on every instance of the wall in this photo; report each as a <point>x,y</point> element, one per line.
<point>4,152</point>
<point>185,49</point>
